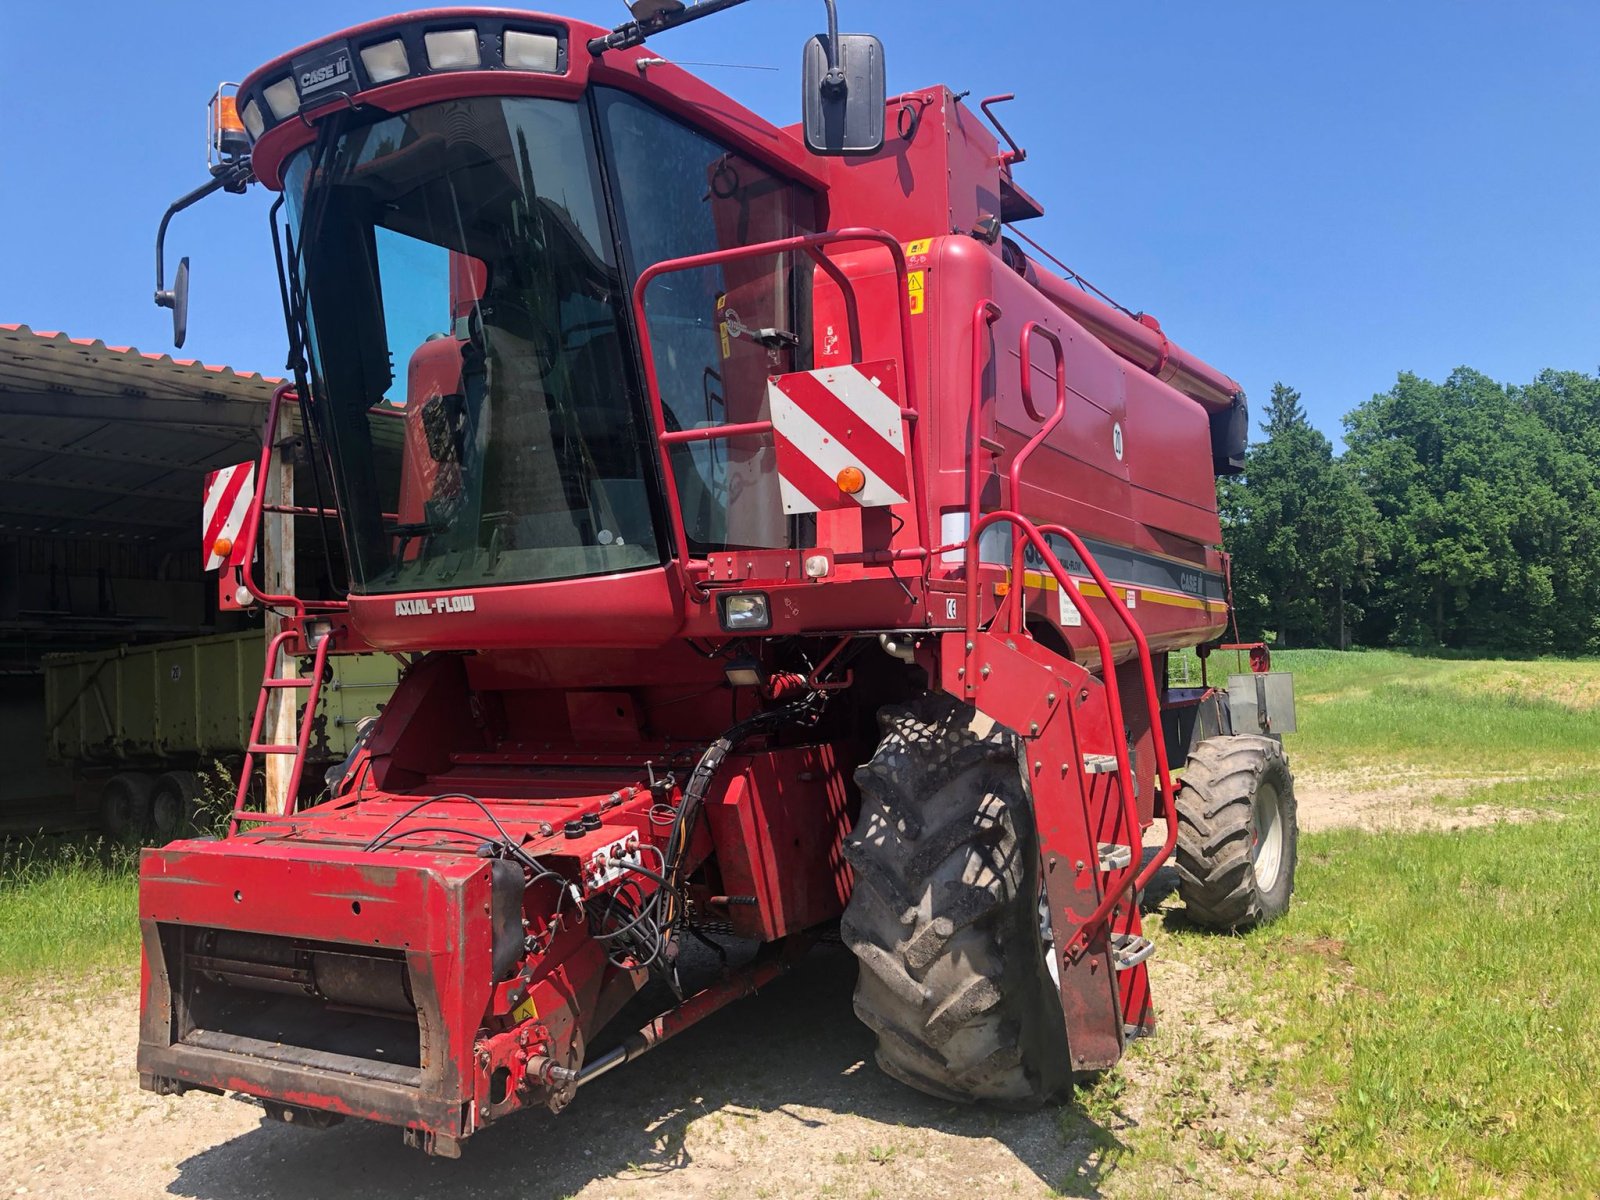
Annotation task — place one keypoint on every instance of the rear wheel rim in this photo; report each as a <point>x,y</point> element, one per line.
<point>1266,848</point>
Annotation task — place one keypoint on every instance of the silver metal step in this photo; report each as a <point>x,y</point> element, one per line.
<point>1114,856</point>
<point>1128,950</point>
<point>1099,764</point>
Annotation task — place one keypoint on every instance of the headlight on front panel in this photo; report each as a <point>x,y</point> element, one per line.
<point>744,612</point>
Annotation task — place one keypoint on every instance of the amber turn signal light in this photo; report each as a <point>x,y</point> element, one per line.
<point>851,480</point>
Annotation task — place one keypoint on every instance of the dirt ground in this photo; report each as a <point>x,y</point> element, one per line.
<point>1401,800</point>
<point>776,1096</point>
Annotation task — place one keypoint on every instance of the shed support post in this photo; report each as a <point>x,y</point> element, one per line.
<point>278,551</point>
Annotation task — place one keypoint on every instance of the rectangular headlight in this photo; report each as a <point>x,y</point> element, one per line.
<point>254,123</point>
<point>386,60</point>
<point>452,49</point>
<point>744,612</point>
<point>283,98</point>
<point>531,51</point>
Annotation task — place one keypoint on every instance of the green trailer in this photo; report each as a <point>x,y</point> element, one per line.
<point>141,727</point>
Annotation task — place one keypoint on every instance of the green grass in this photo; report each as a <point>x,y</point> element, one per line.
<point>1435,996</point>
<point>1446,988</point>
<point>1385,709</point>
<point>66,906</point>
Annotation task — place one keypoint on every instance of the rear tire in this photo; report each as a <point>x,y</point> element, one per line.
<point>1237,833</point>
<point>173,802</point>
<point>944,916</point>
<point>125,807</point>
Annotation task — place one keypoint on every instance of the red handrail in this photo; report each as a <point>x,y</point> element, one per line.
<point>1013,612</point>
<point>811,245</point>
<point>1047,426</point>
<point>1153,705</point>
<point>250,528</point>
<point>1119,745</point>
<point>984,315</point>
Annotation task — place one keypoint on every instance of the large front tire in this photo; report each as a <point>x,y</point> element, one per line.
<point>944,916</point>
<point>1237,833</point>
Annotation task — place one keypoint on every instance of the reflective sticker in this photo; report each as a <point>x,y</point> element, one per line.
<point>834,419</point>
<point>228,495</point>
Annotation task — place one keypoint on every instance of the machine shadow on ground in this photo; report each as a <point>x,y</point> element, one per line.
<point>789,1070</point>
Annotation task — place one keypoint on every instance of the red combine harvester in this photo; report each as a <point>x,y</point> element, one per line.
<point>689,463</point>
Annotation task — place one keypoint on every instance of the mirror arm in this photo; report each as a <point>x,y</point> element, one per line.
<point>834,79</point>
<point>231,177</point>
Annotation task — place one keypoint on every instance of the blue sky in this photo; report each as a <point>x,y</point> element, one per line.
<point>1325,194</point>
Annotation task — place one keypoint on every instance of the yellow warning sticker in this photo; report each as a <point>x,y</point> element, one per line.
<point>914,283</point>
<point>525,1011</point>
<point>917,249</point>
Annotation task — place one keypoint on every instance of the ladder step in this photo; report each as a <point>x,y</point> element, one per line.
<point>1114,857</point>
<point>1099,764</point>
<point>1128,950</point>
<point>272,748</point>
<point>287,683</point>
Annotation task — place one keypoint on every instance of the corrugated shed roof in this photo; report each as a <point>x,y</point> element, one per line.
<point>107,441</point>
<point>33,354</point>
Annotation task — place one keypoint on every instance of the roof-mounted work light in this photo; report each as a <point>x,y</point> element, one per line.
<point>343,68</point>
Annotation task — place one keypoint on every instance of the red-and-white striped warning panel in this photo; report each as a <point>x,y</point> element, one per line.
<point>830,420</point>
<point>228,495</point>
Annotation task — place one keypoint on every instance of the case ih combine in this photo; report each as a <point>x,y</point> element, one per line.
<point>691,463</point>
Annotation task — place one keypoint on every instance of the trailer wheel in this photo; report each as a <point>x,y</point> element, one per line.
<point>1237,833</point>
<point>125,807</point>
<point>944,916</point>
<point>173,803</point>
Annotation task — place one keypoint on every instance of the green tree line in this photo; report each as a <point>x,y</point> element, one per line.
<point>1462,514</point>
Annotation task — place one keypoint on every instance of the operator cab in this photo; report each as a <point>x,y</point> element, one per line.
<point>468,200</point>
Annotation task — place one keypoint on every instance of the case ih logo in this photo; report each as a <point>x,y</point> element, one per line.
<point>316,72</point>
<point>424,606</point>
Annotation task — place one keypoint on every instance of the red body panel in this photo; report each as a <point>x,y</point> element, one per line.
<point>561,727</point>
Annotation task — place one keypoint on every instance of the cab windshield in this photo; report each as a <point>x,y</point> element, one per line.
<point>466,315</point>
<point>473,367</point>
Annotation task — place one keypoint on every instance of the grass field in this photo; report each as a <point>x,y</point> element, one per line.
<point>1431,1006</point>
<point>66,906</point>
<point>1426,1021</point>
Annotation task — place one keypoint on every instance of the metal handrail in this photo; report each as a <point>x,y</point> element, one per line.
<point>1047,426</point>
<point>1147,671</point>
<point>250,528</point>
<point>1012,614</point>
<point>1119,745</point>
<point>811,245</point>
<point>984,315</point>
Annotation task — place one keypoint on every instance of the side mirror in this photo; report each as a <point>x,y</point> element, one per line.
<point>180,303</point>
<point>844,94</point>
